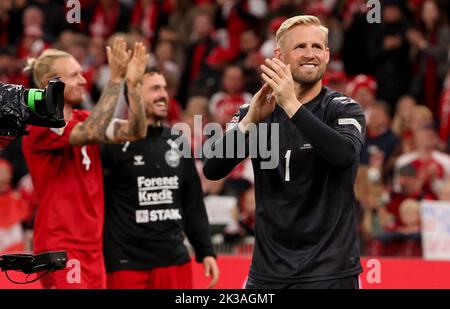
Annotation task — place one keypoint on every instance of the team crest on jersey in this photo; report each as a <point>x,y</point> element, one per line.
<point>139,160</point>
<point>172,157</point>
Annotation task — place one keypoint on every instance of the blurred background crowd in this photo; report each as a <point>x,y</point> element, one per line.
<point>211,50</point>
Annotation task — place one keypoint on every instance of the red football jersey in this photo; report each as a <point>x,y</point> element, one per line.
<point>69,186</point>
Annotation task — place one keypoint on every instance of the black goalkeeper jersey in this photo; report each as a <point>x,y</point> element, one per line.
<point>153,199</point>
<point>306,225</point>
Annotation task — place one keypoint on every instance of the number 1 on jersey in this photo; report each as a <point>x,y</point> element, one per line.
<point>287,176</point>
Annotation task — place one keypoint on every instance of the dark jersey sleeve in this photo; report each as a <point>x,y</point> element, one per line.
<point>195,218</point>
<point>217,168</point>
<point>349,120</point>
<point>339,141</point>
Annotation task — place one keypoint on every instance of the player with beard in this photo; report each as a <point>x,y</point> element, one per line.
<point>154,198</point>
<point>305,225</point>
<point>65,165</point>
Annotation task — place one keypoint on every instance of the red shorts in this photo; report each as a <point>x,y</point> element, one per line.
<point>171,277</point>
<point>84,270</point>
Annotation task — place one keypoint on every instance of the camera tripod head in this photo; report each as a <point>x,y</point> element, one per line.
<point>30,263</point>
<point>20,107</point>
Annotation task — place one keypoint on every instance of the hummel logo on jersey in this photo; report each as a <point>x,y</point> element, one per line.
<point>306,146</point>
<point>138,160</point>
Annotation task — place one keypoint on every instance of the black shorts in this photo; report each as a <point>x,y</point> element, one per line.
<point>341,283</point>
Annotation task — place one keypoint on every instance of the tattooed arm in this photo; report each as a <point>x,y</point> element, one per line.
<point>93,129</point>
<point>135,126</point>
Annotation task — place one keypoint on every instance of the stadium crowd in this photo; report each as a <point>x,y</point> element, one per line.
<point>211,52</point>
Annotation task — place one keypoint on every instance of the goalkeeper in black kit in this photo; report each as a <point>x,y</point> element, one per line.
<point>153,200</point>
<point>305,225</point>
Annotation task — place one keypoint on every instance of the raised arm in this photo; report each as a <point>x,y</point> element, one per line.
<point>340,142</point>
<point>93,129</point>
<point>134,127</point>
<point>260,107</point>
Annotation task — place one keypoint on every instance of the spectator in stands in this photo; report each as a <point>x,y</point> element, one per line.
<point>409,217</point>
<point>225,104</point>
<point>235,17</point>
<point>336,80</point>
<point>182,17</point>
<point>270,43</point>
<point>33,41</point>
<point>108,17</point>
<point>202,42</point>
<point>196,106</point>
<point>405,239</point>
<point>148,16</point>
<point>164,58</point>
<point>432,166</point>
<point>379,137</point>
<point>376,220</point>
<point>429,45</point>
<point>362,88</point>
<point>247,212</point>
<point>390,53</point>
<point>11,67</point>
<point>54,20</point>
<point>33,17</point>
<point>404,111</point>
<point>250,60</point>
<point>420,116</point>
<point>356,29</point>
<point>406,185</point>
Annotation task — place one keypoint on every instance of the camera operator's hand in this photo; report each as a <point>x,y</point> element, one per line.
<point>118,58</point>
<point>136,67</point>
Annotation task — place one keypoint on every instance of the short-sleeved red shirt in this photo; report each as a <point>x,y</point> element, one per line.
<point>69,186</point>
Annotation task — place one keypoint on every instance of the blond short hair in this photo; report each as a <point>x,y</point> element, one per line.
<point>42,67</point>
<point>423,111</point>
<point>301,20</point>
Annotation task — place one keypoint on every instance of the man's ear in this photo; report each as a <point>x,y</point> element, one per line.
<point>328,55</point>
<point>277,53</point>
